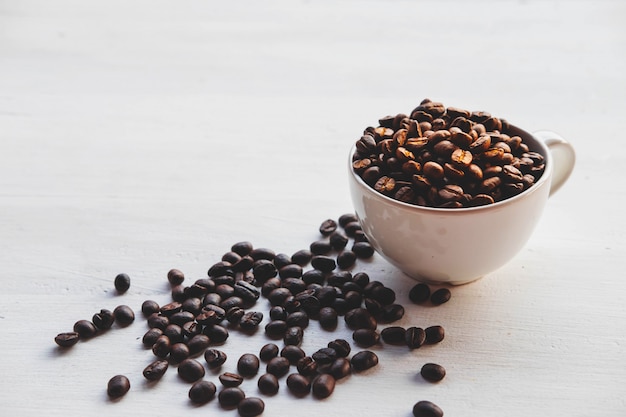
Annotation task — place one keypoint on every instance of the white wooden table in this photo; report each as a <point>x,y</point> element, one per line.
<point>142,136</point>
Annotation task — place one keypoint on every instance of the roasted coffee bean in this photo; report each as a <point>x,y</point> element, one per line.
<point>208,317</point>
<point>251,320</point>
<point>360,318</point>
<point>181,318</point>
<point>212,299</point>
<point>433,372</point>
<point>251,407</point>
<point>124,315</point>
<point>179,352</point>
<point>294,285</point>
<point>198,344</point>
<point>278,313</point>
<point>440,296</point>
<point>174,332</point>
<point>298,319</point>
<point>217,333</point>
<point>293,353</point>
<point>290,271</point>
<point>150,307</point>
<point>278,366</point>
<point>262,253</point>
<point>248,365</point>
<point>278,296</point>
<point>192,305</point>
<point>85,329</point>
<point>327,318</point>
<point>245,263</point>
<point>151,336</point>
<point>323,386</point>
<point>118,386</point>
<point>320,247</point>
<point>307,366</point>
<point>231,257</point>
<point>293,336</point>
<point>340,346</point>
<point>347,218</point>
<point>314,276</point>
<point>364,360</point>
<point>162,346</point>
<point>234,315</point>
<point>191,328</point>
<point>391,313</point>
<point>67,339</point>
<point>346,259</point>
<point>247,291</point>
<point>220,268</point>
<point>202,392</point>
<point>298,385</point>
<point>434,334</point>
<point>242,248</point>
<point>190,370</point>
<point>155,370</point>
<point>327,227</point>
<point>103,320</point>
<point>414,337</point>
<point>214,358</point>
<point>268,352</point>
<point>326,295</point>
<point>363,250</point>
<point>178,293</point>
<point>384,295</point>
<point>419,293</point>
<point>366,337</point>
<point>175,277</point>
<point>276,329</point>
<point>394,335</point>
<point>427,409</point>
<point>324,356</point>
<point>225,290</point>
<point>230,379</point>
<point>230,397</point>
<point>361,279</point>
<point>302,257</point>
<point>323,263</point>
<point>264,269</point>
<point>230,302</point>
<point>122,283</point>
<point>338,240</point>
<point>268,384</point>
<point>170,308</point>
<point>340,368</point>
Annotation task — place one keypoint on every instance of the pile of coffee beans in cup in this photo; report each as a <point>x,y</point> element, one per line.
<point>445,157</point>
<point>190,331</point>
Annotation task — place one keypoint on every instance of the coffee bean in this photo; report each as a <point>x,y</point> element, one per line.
<point>341,347</point>
<point>419,293</point>
<point>230,397</point>
<point>360,318</point>
<point>181,318</point>
<point>440,296</point>
<point>364,360</point>
<point>122,283</point>
<point>434,334</point>
<point>151,336</point>
<point>85,329</point>
<point>433,372</point>
<point>327,227</point>
<point>414,337</point>
<point>103,320</point>
<point>155,370</point>
<point>262,253</point>
<point>198,344</point>
<point>248,365</point>
<point>293,336</point>
<point>190,370</point>
<point>346,259</point>
<point>118,386</point>
<point>247,292</point>
<point>150,307</point>
<point>124,315</point>
<point>174,332</point>
<point>293,353</point>
<point>242,248</point>
<point>302,257</point>
<point>307,366</point>
<point>162,346</point>
<point>251,407</point>
<point>298,385</point>
<point>340,368</point>
<point>264,269</point>
<point>268,352</point>
<point>251,320</point>
<point>363,250</point>
<point>276,329</point>
<point>394,335</point>
<point>426,409</point>
<point>202,392</point>
<point>347,218</point>
<point>391,313</point>
<point>324,356</point>
<point>268,384</point>
<point>384,295</point>
<point>323,386</point>
<point>366,337</point>
<point>67,339</point>
<point>290,271</point>
<point>214,358</point>
<point>230,379</point>
<point>175,277</point>
<point>217,333</point>
<point>278,366</point>
<point>234,315</point>
<point>158,321</point>
<point>179,352</point>
<point>298,319</point>
<point>323,263</point>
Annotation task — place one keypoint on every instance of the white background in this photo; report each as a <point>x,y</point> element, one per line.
<point>139,136</point>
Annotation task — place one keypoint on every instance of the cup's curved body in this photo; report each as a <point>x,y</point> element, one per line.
<point>452,245</point>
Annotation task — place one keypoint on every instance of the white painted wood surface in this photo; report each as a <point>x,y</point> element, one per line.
<point>140,136</point>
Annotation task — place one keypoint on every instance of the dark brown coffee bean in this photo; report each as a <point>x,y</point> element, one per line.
<point>323,263</point>
<point>323,386</point>
<point>394,335</point>
<point>340,346</point>
<point>307,366</point>
<point>352,228</point>
<point>179,352</point>
<point>327,318</point>
<point>190,370</point>
<point>346,218</point>
<point>298,385</point>
<point>251,320</point>
<point>85,329</point>
<point>391,313</point>
<point>118,386</point>
<point>293,353</point>
<point>440,296</point>
<point>198,344</point>
<point>214,358</point>
<point>122,283</point>
<point>230,379</point>
<point>103,320</point>
<point>276,329</point>
<point>248,365</point>
<point>324,356</point>
<point>174,332</point>
<point>278,366</point>
<point>242,248</point>
<point>433,372</point>
<point>181,318</point>
<point>162,346</point>
<point>264,269</point>
<point>202,392</point>
<point>302,257</point>
<point>175,277</point>
<point>124,315</point>
<point>293,336</point>
<point>262,253</point>
<point>320,247</point>
<point>251,407</point>
<point>426,409</point>
<point>230,397</point>
<point>155,370</point>
<point>329,226</point>
<point>346,259</point>
<point>415,337</point>
<point>366,337</point>
<point>298,319</point>
<point>217,333</point>
<point>364,360</point>
<point>419,293</point>
<point>268,384</point>
<point>149,307</point>
<point>268,352</point>
<point>67,339</point>
<point>363,250</point>
<point>340,368</point>
<point>360,318</point>
<point>434,334</point>
<point>151,336</point>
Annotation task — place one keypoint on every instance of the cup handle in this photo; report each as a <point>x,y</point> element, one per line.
<point>563,155</point>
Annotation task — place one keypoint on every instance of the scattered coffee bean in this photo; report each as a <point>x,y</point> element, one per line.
<point>118,386</point>
<point>363,250</point>
<point>302,257</point>
<point>323,385</point>
<point>427,409</point>
<point>162,346</point>
<point>155,370</point>
<point>174,332</point>
<point>340,346</point>
<point>394,335</point>
<point>67,339</point>
<point>124,315</point>
<point>268,384</point>
<point>293,336</point>
<point>85,329</point>
<point>298,319</point>
<point>151,336</point>
<point>190,370</point>
<point>441,296</point>
<point>175,277</point>
<point>248,365</point>
<point>230,379</point>
<point>103,320</point>
<point>299,385</point>
<point>360,318</point>
<point>323,263</point>
<point>122,283</point>
<point>307,366</point>
<point>251,407</point>
<point>230,397</point>
<point>214,358</point>
<point>434,334</point>
<point>217,333</point>
<point>366,337</point>
<point>157,321</point>
<point>340,368</point>
<point>293,353</point>
<point>198,344</point>
<point>268,352</point>
<point>419,293</point>
<point>324,356</point>
<point>179,352</point>
<point>327,227</point>
<point>414,337</point>
<point>433,372</point>
<point>347,218</point>
<point>202,392</point>
<point>278,366</point>
<point>251,320</point>
<point>364,360</point>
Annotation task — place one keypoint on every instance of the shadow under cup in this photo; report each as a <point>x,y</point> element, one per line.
<point>452,245</point>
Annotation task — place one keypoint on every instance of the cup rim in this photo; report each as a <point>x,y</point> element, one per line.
<point>545,152</point>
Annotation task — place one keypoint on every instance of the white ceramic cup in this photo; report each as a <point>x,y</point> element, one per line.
<point>460,245</point>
